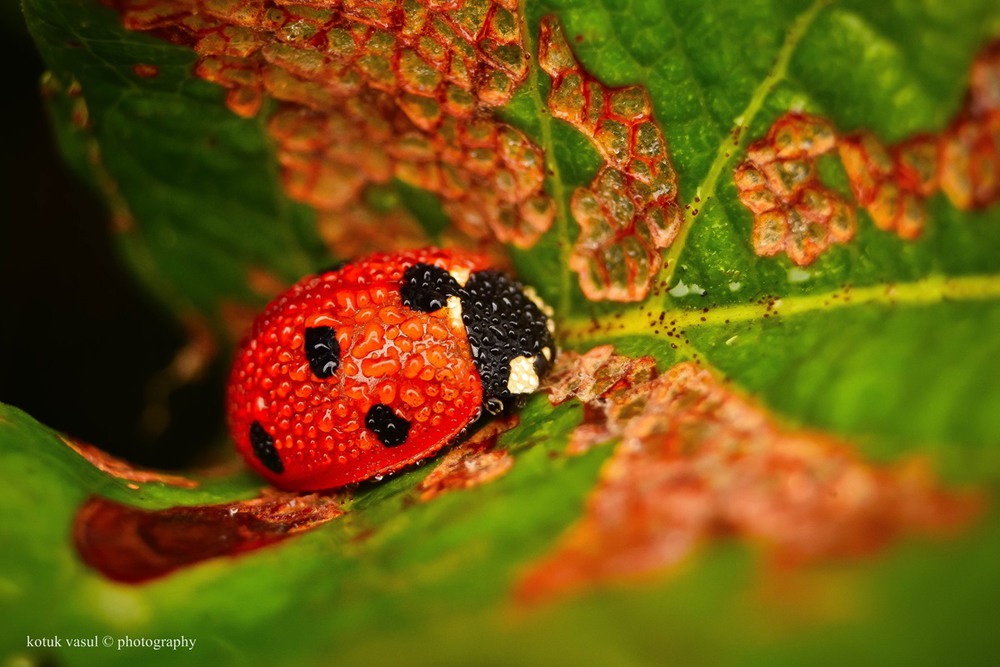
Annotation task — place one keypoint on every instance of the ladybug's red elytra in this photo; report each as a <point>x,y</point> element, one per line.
<point>376,364</point>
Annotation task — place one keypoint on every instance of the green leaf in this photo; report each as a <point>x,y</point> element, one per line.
<point>884,343</point>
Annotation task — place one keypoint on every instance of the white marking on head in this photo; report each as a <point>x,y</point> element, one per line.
<point>550,322</point>
<point>530,292</point>
<point>461,275</point>
<point>523,378</point>
<point>455,313</point>
<point>547,353</point>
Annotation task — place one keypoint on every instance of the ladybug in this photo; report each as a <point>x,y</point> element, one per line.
<point>373,365</point>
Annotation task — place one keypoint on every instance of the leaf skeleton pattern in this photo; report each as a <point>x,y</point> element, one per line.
<point>793,212</point>
<point>696,460</point>
<point>374,90</point>
<point>630,211</point>
<point>371,90</point>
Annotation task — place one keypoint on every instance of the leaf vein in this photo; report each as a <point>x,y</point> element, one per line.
<point>728,148</point>
<point>553,176</point>
<point>926,291</point>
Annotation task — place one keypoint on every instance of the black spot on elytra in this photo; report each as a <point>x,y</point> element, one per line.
<point>426,287</point>
<point>503,323</point>
<point>263,447</point>
<point>322,351</point>
<point>388,427</point>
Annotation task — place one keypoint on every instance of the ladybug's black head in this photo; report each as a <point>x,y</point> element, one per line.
<point>508,327</point>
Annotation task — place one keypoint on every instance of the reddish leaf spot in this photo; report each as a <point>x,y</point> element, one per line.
<point>629,212</point>
<point>970,150</point>
<point>372,90</point>
<point>796,214</point>
<point>121,217</point>
<point>474,462</point>
<point>118,468</point>
<point>146,71</point>
<point>601,380</point>
<point>698,461</point>
<point>237,318</point>
<point>188,364</point>
<point>793,211</point>
<point>132,545</point>
<point>264,283</point>
<point>358,231</point>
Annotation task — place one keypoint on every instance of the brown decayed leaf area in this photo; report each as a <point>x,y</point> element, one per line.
<point>629,212</point>
<point>796,214</point>
<point>358,231</point>
<point>52,87</point>
<point>146,71</point>
<point>472,463</point>
<point>133,545</point>
<point>696,461</point>
<point>118,468</point>
<point>369,90</point>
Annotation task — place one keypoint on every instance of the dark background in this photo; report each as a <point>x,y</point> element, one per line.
<point>80,341</point>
